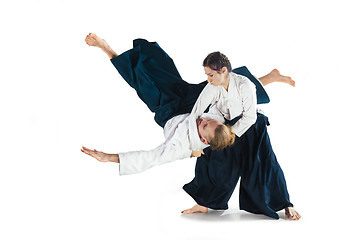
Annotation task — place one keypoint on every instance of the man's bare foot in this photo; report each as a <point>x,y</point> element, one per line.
<point>93,40</point>
<point>275,76</point>
<point>196,209</point>
<point>292,214</point>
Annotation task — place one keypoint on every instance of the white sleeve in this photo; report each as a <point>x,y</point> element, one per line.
<point>139,161</point>
<point>249,102</point>
<point>206,97</point>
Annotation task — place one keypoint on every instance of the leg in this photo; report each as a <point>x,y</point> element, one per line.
<point>93,40</point>
<point>263,187</point>
<point>151,72</point>
<point>216,176</point>
<point>275,76</point>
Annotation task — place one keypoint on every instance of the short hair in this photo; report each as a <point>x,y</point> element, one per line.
<point>224,137</point>
<point>216,61</point>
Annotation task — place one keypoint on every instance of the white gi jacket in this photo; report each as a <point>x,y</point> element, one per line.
<point>181,137</point>
<point>239,99</point>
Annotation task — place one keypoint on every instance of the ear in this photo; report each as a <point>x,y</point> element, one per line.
<point>223,69</point>
<point>204,140</point>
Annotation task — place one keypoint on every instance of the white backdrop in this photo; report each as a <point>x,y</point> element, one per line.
<point>58,94</point>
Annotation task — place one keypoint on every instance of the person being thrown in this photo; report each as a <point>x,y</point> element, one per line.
<point>183,133</point>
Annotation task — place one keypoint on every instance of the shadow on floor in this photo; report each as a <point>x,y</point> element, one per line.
<point>230,215</point>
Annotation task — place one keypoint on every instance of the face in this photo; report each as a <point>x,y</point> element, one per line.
<point>215,78</point>
<point>206,129</point>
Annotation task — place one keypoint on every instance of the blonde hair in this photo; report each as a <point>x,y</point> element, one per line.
<point>224,136</point>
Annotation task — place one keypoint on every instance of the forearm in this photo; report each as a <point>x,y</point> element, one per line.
<point>139,161</point>
<point>247,119</point>
<point>242,125</point>
<point>249,115</point>
<point>205,98</point>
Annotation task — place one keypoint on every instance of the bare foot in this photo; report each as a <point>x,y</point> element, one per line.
<point>275,76</point>
<point>196,209</point>
<point>93,40</point>
<point>292,214</point>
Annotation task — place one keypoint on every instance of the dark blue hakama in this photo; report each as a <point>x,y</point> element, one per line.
<point>262,186</point>
<point>152,73</point>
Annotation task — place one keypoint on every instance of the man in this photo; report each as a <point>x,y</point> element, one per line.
<point>171,99</point>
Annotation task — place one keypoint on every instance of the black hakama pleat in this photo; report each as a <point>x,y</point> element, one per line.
<point>152,73</point>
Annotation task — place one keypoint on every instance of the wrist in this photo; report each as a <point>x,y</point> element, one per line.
<point>114,158</point>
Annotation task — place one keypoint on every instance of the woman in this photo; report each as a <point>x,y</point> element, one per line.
<point>262,187</point>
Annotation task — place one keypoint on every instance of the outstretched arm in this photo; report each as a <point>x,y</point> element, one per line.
<point>139,161</point>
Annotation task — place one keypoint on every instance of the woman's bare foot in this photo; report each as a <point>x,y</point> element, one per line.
<point>93,40</point>
<point>196,209</point>
<point>275,76</point>
<point>292,214</point>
